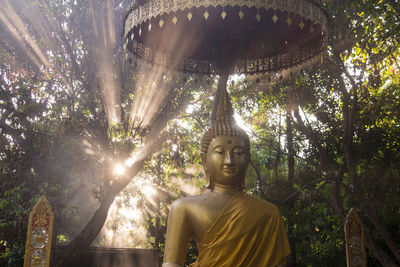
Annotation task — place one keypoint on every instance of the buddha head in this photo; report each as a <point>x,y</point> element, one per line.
<point>225,147</point>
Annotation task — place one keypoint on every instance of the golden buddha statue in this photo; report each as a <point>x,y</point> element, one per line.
<point>231,228</point>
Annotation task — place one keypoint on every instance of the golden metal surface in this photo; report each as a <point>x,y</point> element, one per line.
<point>355,244</point>
<point>226,163</point>
<point>225,154</point>
<point>39,235</point>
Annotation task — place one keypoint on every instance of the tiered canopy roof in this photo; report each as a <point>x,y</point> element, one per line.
<point>208,36</point>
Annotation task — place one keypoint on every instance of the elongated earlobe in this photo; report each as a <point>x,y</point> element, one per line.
<point>208,178</point>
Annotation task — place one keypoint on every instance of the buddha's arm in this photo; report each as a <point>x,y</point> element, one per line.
<point>169,264</point>
<point>178,235</point>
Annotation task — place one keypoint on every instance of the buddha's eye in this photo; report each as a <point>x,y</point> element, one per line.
<point>238,151</point>
<point>219,151</point>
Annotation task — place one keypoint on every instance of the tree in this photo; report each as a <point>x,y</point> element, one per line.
<point>73,107</point>
<point>344,113</point>
<point>68,100</point>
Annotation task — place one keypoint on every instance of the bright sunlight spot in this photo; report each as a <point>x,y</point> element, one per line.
<point>119,169</point>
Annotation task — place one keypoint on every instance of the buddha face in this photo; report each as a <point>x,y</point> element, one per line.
<point>226,160</point>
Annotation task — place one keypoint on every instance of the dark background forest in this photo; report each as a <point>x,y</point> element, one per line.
<point>75,109</point>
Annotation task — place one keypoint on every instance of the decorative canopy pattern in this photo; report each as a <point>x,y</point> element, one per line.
<point>205,36</point>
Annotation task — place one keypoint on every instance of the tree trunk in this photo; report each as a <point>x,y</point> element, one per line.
<point>289,135</point>
<point>372,247</point>
<point>154,139</point>
<point>383,258</point>
<point>157,234</point>
<point>260,180</point>
<point>278,153</point>
<point>350,110</point>
<point>94,226</point>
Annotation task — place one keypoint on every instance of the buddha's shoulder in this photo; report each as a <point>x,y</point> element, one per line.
<point>189,202</point>
<point>260,205</point>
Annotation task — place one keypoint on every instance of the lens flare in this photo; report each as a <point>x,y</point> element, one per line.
<point>119,169</point>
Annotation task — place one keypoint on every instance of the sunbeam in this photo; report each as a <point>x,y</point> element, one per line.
<point>20,39</point>
<point>110,89</point>
<point>136,205</point>
<point>127,216</point>
<point>110,22</point>
<point>18,29</point>
<point>149,95</point>
<point>63,60</point>
<point>189,188</point>
<point>18,24</point>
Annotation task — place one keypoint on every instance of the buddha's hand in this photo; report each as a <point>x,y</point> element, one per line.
<point>171,264</point>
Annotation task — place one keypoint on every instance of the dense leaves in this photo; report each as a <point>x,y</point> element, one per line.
<point>73,107</point>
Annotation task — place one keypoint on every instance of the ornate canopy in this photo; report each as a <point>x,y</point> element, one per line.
<point>210,36</point>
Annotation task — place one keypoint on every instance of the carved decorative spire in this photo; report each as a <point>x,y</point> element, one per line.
<point>222,121</point>
<point>224,114</point>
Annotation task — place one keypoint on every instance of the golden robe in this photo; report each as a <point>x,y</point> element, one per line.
<point>248,232</point>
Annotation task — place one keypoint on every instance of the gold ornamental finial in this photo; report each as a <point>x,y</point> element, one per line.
<point>224,113</point>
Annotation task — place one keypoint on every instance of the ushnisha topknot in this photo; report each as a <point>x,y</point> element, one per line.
<point>223,123</point>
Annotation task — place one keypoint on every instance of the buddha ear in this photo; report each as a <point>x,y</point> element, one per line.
<point>208,181</point>
<point>208,178</point>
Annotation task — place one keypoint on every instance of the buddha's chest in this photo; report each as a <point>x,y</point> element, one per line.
<point>204,213</point>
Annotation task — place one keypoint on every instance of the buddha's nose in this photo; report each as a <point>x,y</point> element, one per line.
<point>228,158</point>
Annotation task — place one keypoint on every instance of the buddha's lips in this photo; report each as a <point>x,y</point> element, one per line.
<point>229,169</point>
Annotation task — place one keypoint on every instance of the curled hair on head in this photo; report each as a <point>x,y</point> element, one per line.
<point>211,133</point>
<point>222,124</point>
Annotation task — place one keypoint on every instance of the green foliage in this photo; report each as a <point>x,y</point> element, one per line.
<point>59,136</point>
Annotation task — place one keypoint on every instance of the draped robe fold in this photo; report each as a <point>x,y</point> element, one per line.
<point>247,232</point>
